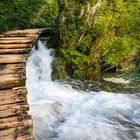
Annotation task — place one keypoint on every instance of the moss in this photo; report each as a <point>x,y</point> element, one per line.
<point>77,73</point>
<point>59,69</point>
<point>108,89</point>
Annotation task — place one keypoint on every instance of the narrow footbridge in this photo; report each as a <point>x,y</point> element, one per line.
<point>15,47</point>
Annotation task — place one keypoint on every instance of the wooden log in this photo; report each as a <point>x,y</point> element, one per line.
<point>15,51</point>
<point>13,96</point>
<point>12,68</point>
<point>13,58</point>
<point>8,81</point>
<point>15,46</point>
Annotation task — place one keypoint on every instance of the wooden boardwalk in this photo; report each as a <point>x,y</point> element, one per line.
<point>15,47</point>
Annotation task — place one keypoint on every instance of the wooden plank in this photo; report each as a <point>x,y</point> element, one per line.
<point>28,31</point>
<point>17,38</point>
<point>19,68</point>
<point>12,122</point>
<point>13,96</point>
<point>22,35</point>
<point>13,58</point>
<point>13,137</point>
<point>19,131</point>
<point>15,51</point>
<point>8,132</point>
<point>18,137</point>
<point>18,41</point>
<point>16,109</point>
<point>14,119</point>
<point>25,137</point>
<point>8,81</point>
<point>15,46</point>
<point>12,99</point>
<point>16,90</point>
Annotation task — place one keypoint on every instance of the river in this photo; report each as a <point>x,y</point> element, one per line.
<point>60,112</point>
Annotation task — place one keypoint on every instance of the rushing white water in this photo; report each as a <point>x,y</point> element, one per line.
<point>62,113</point>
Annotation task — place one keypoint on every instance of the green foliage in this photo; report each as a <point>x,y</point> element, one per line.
<point>109,36</point>
<point>118,50</point>
<point>112,37</point>
<point>77,73</point>
<point>20,14</point>
<point>46,15</point>
<point>84,48</point>
<point>3,21</point>
<point>120,43</point>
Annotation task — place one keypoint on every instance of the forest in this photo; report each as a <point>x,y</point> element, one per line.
<point>73,73</point>
<point>90,37</point>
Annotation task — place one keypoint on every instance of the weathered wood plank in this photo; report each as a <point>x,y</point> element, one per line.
<point>16,90</point>
<point>28,31</point>
<point>17,38</point>
<point>13,99</point>
<point>18,41</point>
<point>13,96</point>
<point>15,118</point>
<point>25,137</point>
<point>16,109</point>
<point>13,58</point>
<point>15,51</point>
<point>8,81</point>
<point>12,68</point>
<point>13,136</point>
<point>15,46</point>
<point>17,132</point>
<point>22,35</point>
<point>12,122</point>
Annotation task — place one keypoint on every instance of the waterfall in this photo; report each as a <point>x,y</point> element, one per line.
<point>60,112</point>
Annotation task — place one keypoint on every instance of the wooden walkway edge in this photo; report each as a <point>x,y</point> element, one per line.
<point>15,47</point>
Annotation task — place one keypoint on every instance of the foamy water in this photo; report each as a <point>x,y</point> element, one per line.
<point>62,113</point>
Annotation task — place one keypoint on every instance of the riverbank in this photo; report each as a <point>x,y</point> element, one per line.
<point>111,82</point>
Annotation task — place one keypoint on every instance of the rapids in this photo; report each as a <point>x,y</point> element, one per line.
<point>60,112</point>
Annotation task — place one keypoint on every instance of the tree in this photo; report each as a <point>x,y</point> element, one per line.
<point>90,36</point>
<point>20,14</point>
<point>95,36</point>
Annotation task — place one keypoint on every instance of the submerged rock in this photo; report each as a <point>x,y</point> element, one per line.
<point>117,80</point>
